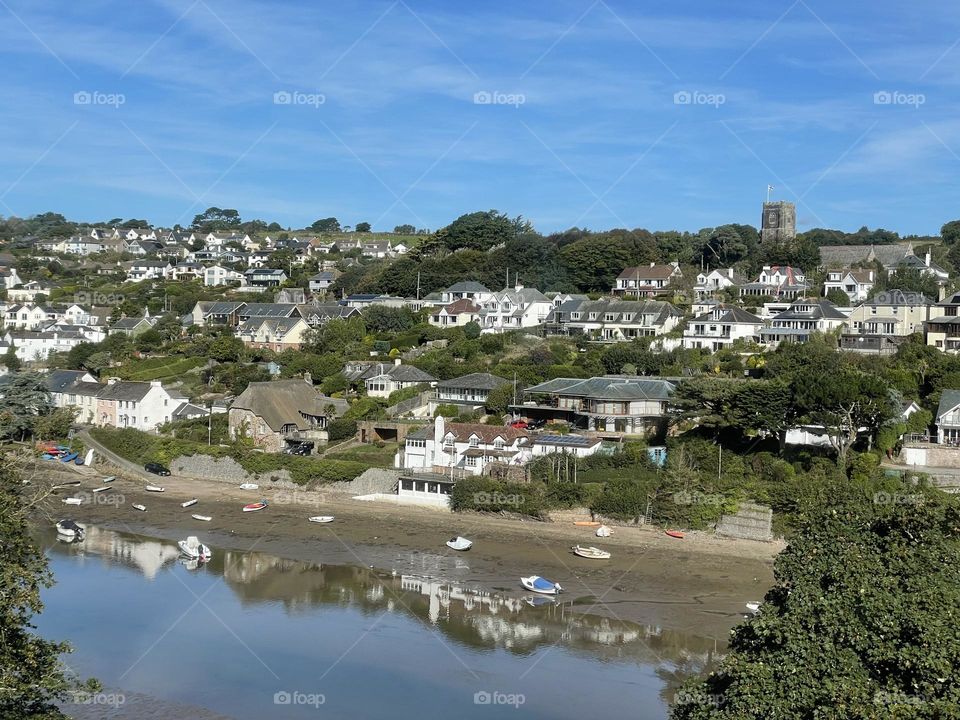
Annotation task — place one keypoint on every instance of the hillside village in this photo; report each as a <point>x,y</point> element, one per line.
<point>291,342</point>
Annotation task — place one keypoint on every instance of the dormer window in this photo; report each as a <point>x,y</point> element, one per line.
<point>498,444</point>
<point>474,441</point>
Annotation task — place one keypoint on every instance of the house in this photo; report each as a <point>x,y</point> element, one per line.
<point>28,292</point>
<point>777,281</point>
<point>857,284</point>
<point>711,281</point>
<point>721,327</point>
<point>647,281</point>
<point>322,281</point>
<point>924,266</point>
<point>613,320</point>
<point>273,333</point>
<point>208,312</point>
<point>187,271</point>
<point>74,388</point>
<point>319,314</point>
<point>148,270</point>
<point>465,447</point>
<point>845,256</point>
<point>9,277</point>
<point>616,404</point>
<point>139,405</point>
<point>577,445</point>
<point>381,379</point>
<point>881,323</point>
<point>217,275</point>
<point>513,309</point>
<point>467,390</point>
<point>801,320</point>
<point>265,310</point>
<point>264,277</point>
<point>948,418</point>
<point>376,249</point>
<point>132,326</point>
<point>278,413</point>
<point>456,314</point>
<point>25,317</point>
<point>468,290</point>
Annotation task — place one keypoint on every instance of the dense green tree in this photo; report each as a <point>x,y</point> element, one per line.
<point>472,330</point>
<point>25,397</point>
<point>405,230</point>
<point>362,227</point>
<point>326,225</point>
<point>838,297</point>
<point>215,219</point>
<point>11,361</point>
<point>382,319</point>
<point>478,231</point>
<point>226,348</point>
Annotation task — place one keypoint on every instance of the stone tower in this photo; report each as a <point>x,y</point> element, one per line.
<point>779,221</point>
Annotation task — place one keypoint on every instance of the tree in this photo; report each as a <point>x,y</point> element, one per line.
<point>405,230</point>
<point>479,231</point>
<point>950,232</point>
<point>501,397</point>
<point>838,297</point>
<point>362,227</point>
<point>841,633</point>
<point>326,225</point>
<point>56,424</point>
<point>149,340</point>
<point>226,348</point>
<point>25,397</point>
<point>33,677</point>
<point>381,319</point>
<point>214,219</point>
<point>472,330</point>
<point>11,361</point>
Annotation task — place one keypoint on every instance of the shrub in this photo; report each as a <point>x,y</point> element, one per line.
<point>341,429</point>
<point>484,494</point>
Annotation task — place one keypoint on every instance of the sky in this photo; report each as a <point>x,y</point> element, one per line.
<point>590,113</point>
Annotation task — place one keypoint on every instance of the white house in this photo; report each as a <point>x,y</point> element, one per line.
<point>647,280</point>
<point>9,277</point>
<point>802,319</point>
<point>857,284</point>
<point>456,314</point>
<point>710,281</point>
<point>382,379</point>
<point>778,281</point>
<point>720,327</point>
<point>218,275</point>
<point>613,320</point>
<point>512,309</point>
<point>140,405</point>
<point>148,270</point>
<point>465,448</point>
<point>467,290</point>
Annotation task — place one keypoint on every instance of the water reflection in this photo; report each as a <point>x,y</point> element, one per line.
<point>472,617</point>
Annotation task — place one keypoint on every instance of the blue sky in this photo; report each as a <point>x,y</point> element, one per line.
<point>603,113</point>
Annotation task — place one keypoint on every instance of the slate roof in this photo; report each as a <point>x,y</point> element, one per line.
<point>818,309</point>
<point>648,272</point>
<point>467,286</point>
<point>486,433</point>
<point>285,402</point>
<point>125,390</point>
<point>623,309</point>
<point>607,387</point>
<point>847,255</point>
<point>729,314</point>
<point>474,381</point>
<point>269,310</point>
<point>398,373</point>
<point>949,399</point>
<point>58,380</point>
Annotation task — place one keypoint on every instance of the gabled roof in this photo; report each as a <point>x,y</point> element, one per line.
<point>286,402</point>
<point>470,286</point>
<point>463,305</point>
<point>486,433</point>
<point>729,314</point>
<point>608,387</point>
<point>649,272</point>
<point>58,380</point>
<point>949,399</point>
<point>399,373</point>
<point>475,381</point>
<point>125,390</point>
<point>269,310</point>
<point>847,255</point>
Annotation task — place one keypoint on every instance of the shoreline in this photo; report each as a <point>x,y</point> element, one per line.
<point>697,585</point>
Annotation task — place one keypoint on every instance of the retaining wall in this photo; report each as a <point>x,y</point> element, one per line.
<point>750,522</point>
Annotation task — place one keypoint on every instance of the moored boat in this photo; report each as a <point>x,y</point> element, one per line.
<point>591,553</point>
<point>254,507</point>
<point>249,486</point>
<point>100,489</point>
<point>321,519</point>
<point>138,506</point>
<point>205,518</point>
<point>109,479</point>
<point>674,534</point>
<point>70,457</point>
<point>72,501</point>
<point>194,549</point>
<point>537,584</point>
<point>188,503</point>
<point>604,531</point>
<point>459,543</point>
<point>71,529</point>
<point>587,523</point>
<point>154,488</point>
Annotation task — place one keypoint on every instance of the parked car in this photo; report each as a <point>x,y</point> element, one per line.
<point>519,425</point>
<point>156,469</point>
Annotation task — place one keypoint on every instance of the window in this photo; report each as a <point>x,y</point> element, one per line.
<point>472,461</point>
<point>474,441</point>
<point>498,443</point>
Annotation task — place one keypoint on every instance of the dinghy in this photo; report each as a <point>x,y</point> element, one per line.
<point>188,503</point>
<point>154,488</point>
<point>71,529</point>
<point>604,531</point>
<point>537,584</point>
<point>72,501</point>
<point>138,506</point>
<point>591,552</point>
<point>68,483</point>
<point>253,507</point>
<point>78,461</point>
<point>459,543</point>
<point>249,486</point>
<point>205,518</point>
<point>321,519</point>
<point>194,549</point>
<point>587,523</point>
<point>69,457</point>
<point>753,607</point>
<point>100,489</point>
<point>674,534</point>
<point>109,479</point>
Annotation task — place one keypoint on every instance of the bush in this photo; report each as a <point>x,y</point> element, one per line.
<point>341,429</point>
<point>483,494</point>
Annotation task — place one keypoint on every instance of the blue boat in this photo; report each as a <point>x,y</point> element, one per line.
<point>69,458</point>
<point>538,584</point>
<point>47,456</point>
<point>79,460</point>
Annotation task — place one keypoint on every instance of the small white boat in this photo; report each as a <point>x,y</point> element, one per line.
<point>194,549</point>
<point>70,529</point>
<point>154,488</point>
<point>109,479</point>
<point>249,486</point>
<point>604,531</point>
<point>537,584</point>
<point>100,489</point>
<point>753,607</point>
<point>205,518</point>
<point>68,483</point>
<point>138,506</point>
<point>591,552</point>
<point>321,519</point>
<point>72,501</point>
<point>188,503</point>
<point>459,543</point>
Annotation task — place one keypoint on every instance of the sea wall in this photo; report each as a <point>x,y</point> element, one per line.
<point>227,470</point>
<point>750,522</point>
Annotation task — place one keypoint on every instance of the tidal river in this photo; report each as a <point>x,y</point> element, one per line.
<point>250,635</point>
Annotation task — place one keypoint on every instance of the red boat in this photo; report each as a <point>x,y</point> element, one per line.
<point>674,534</point>
<point>253,507</point>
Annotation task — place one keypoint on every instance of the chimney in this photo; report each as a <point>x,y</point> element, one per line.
<point>926,259</point>
<point>730,273</point>
<point>396,361</point>
<point>156,383</point>
<point>307,377</point>
<point>112,381</point>
<point>652,264</point>
<point>941,293</point>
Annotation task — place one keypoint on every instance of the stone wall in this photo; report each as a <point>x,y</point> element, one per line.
<point>929,454</point>
<point>227,470</point>
<point>750,522</point>
<point>372,481</point>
